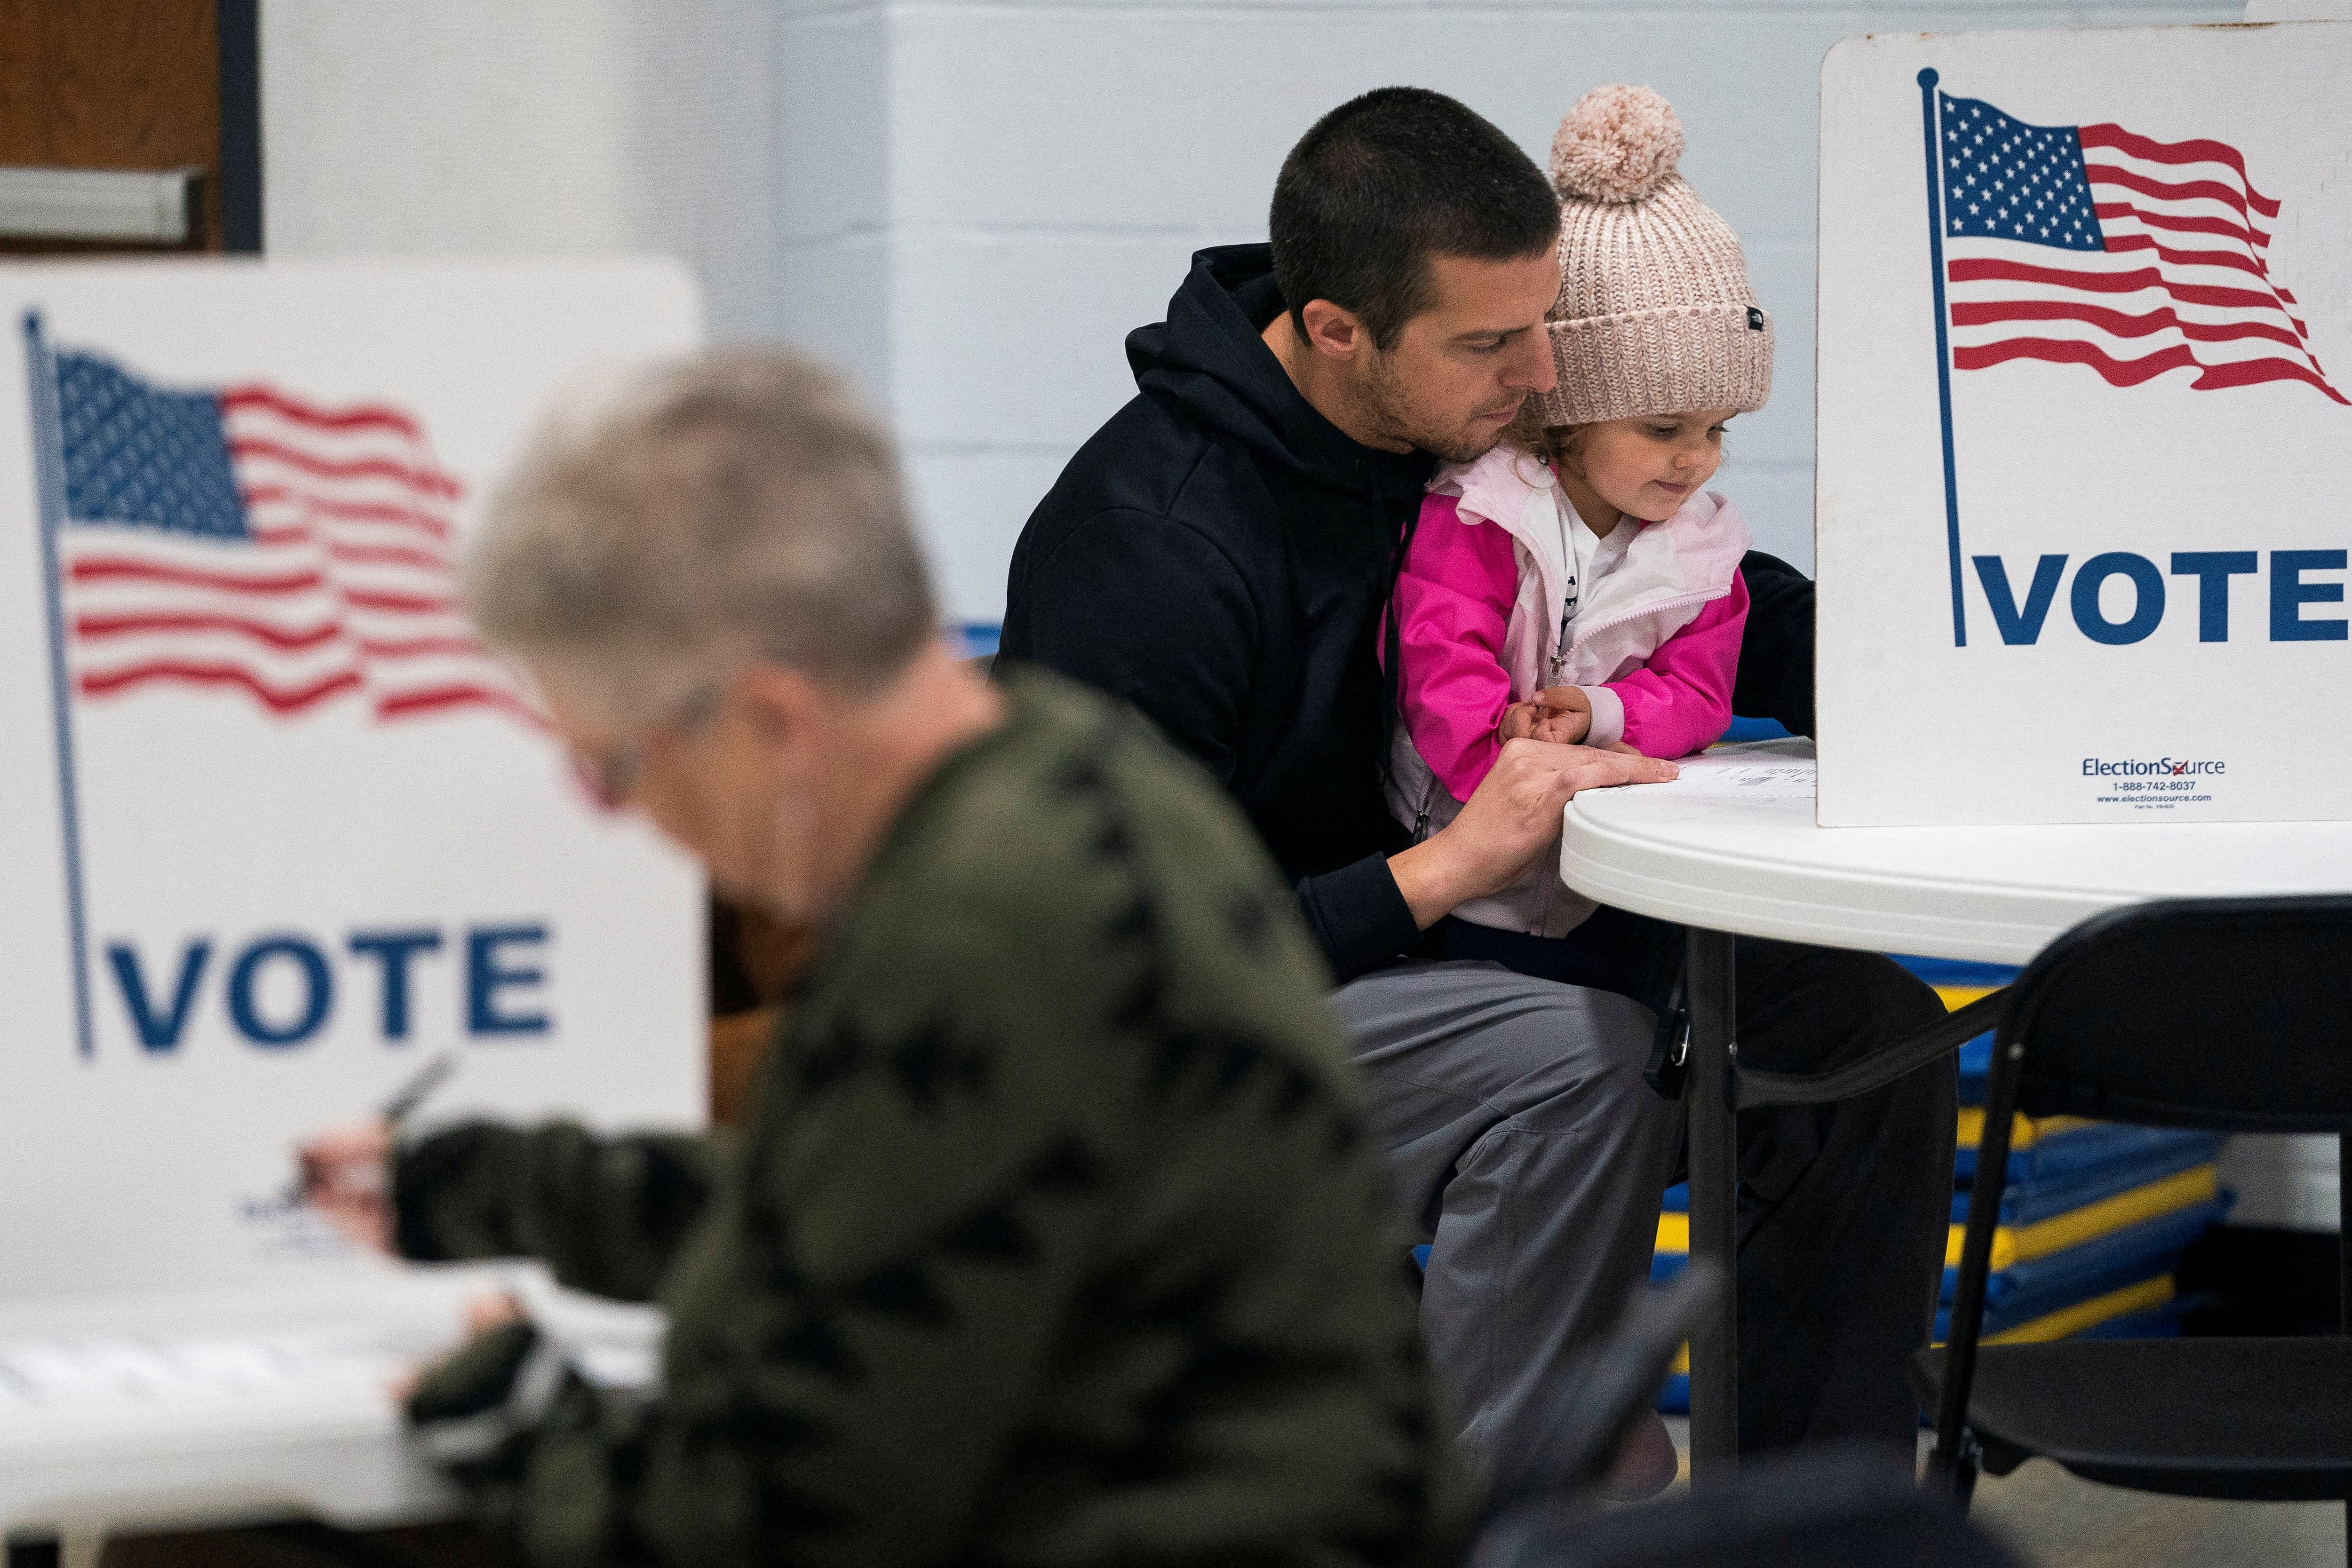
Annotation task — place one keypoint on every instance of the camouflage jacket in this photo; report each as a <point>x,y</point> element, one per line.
<point>1054,1237</point>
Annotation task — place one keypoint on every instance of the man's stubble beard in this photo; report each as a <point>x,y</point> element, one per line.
<point>1391,407</point>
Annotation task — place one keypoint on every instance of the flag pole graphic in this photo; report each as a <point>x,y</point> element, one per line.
<point>1928,79</point>
<point>49,462</point>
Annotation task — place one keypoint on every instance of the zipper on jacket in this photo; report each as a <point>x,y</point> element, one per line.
<point>1586,633</point>
<point>1567,601</point>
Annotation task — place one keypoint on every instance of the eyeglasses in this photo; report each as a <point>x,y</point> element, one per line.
<point>611,775</point>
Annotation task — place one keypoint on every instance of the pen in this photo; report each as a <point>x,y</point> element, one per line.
<point>396,1111</point>
<point>412,1093</point>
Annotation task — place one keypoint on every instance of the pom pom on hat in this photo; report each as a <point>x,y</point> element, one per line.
<point>1618,144</point>
<point>1654,313</point>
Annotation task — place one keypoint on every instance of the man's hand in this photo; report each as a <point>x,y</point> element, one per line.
<point>347,1178</point>
<point>1562,714</point>
<point>1509,820</point>
<point>484,1315</point>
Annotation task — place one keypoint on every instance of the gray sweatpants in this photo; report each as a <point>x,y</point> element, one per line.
<point>1530,1156</point>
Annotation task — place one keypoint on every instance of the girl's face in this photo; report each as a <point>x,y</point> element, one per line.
<point>1646,466</point>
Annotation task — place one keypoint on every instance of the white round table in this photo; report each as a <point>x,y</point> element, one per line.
<point>1730,849</point>
<point>1749,859</point>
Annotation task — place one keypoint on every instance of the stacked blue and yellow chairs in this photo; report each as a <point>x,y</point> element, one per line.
<point>2094,1218</point>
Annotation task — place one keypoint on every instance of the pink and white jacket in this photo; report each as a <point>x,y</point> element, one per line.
<point>1653,644</point>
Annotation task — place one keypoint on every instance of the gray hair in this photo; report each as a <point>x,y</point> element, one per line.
<point>733,506</point>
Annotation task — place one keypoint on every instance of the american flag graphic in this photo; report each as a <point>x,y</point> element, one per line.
<point>2089,245</point>
<point>245,539</point>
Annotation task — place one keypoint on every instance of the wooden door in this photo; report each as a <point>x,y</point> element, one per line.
<point>138,84</point>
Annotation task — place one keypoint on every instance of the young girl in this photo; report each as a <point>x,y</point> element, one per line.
<point>1578,583</point>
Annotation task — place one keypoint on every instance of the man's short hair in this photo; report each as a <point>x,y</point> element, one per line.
<point>735,505</point>
<point>1383,183</point>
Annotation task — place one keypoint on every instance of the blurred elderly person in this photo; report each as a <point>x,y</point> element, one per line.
<point>1054,1235</point>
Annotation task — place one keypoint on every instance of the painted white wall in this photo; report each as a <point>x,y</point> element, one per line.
<point>529,127</point>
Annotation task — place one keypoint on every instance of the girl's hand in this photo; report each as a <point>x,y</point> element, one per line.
<point>1563,716</point>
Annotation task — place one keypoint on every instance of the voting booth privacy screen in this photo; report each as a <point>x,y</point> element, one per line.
<point>279,832</point>
<point>2084,463</point>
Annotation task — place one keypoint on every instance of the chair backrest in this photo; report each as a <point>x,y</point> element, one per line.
<point>2230,1014</point>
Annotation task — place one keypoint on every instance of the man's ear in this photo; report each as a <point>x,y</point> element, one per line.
<point>783,704</point>
<point>1334,330</point>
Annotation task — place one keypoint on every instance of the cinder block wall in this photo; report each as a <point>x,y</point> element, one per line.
<point>982,199</point>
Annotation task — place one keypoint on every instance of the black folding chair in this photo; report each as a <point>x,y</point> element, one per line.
<point>2229,1014</point>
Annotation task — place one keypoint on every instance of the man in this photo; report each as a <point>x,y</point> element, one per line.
<point>1220,554</point>
<point>1052,1235</point>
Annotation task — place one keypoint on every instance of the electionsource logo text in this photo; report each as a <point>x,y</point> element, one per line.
<point>2098,768</point>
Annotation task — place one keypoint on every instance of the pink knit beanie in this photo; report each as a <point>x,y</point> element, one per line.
<point>1654,314</point>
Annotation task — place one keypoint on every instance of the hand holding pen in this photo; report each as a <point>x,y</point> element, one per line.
<point>346,1170</point>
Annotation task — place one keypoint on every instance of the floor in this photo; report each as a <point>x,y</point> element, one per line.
<point>2049,1517</point>
<point>2052,1520</point>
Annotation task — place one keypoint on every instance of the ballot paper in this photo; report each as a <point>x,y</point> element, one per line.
<point>182,1409</point>
<point>90,1375</point>
<point>193,1364</point>
<point>1779,769</point>
<point>1763,781</point>
<point>97,1376</point>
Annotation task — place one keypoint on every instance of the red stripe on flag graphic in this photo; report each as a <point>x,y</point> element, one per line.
<point>2116,323</point>
<point>423,481</point>
<point>277,699</point>
<point>2132,373</point>
<point>357,417</point>
<point>2098,282</point>
<point>91,568</point>
<point>269,635</point>
<point>413,703</point>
